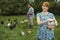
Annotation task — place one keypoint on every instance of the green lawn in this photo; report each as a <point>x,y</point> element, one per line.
<point>15,34</point>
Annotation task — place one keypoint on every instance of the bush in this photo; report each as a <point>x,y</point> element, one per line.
<point>17,7</point>
<point>9,7</point>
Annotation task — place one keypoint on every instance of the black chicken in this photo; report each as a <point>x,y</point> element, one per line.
<point>12,26</point>
<point>2,22</point>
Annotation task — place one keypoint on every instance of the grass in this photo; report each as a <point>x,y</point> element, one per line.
<point>15,34</point>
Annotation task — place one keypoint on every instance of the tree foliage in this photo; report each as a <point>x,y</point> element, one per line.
<point>9,7</point>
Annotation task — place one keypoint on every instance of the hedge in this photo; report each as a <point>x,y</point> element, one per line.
<point>17,7</point>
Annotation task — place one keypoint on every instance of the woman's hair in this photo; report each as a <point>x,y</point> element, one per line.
<point>47,4</point>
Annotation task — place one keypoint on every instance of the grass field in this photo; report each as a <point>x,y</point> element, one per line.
<point>15,34</point>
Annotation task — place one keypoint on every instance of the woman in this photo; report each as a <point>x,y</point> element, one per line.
<point>44,33</point>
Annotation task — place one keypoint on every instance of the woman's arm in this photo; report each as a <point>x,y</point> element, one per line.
<point>40,22</point>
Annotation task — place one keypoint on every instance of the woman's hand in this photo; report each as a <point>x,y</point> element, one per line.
<point>50,19</point>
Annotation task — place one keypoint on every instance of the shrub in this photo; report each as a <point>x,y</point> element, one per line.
<point>17,7</point>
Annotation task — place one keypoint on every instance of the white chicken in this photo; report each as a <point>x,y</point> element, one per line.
<point>22,33</point>
<point>52,24</point>
<point>9,24</point>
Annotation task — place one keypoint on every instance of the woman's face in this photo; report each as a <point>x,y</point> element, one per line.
<point>44,8</point>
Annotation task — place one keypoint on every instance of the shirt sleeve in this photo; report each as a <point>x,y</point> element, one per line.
<point>52,15</point>
<point>38,14</point>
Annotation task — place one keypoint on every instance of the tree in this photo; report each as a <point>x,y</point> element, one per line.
<point>12,7</point>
